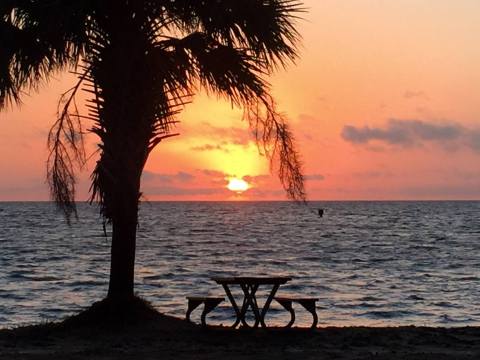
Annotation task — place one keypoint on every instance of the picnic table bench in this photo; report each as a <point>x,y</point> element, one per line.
<point>210,302</point>
<point>307,302</point>
<point>249,286</point>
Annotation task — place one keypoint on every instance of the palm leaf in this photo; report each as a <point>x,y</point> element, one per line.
<point>266,28</point>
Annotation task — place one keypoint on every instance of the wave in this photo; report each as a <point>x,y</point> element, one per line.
<point>399,262</point>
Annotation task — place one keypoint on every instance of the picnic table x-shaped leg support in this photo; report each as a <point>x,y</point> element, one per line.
<point>267,304</point>
<point>250,301</point>
<point>235,307</point>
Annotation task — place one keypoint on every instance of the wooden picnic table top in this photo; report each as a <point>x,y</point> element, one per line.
<point>252,280</point>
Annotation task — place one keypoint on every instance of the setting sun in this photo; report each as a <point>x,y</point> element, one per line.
<point>238,185</point>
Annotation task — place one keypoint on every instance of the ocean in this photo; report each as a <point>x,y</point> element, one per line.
<point>368,263</point>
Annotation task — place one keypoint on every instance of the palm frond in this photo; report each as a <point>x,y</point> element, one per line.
<point>38,39</point>
<point>66,145</point>
<point>221,69</point>
<point>275,137</point>
<point>237,75</point>
<point>265,28</point>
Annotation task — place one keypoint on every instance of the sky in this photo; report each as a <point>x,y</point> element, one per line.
<point>384,102</point>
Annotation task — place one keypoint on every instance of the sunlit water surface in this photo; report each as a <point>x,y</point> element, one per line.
<point>369,263</point>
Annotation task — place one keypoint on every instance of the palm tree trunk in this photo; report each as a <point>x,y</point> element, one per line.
<point>127,114</point>
<point>124,229</point>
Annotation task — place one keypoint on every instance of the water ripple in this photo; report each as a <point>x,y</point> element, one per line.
<point>369,263</point>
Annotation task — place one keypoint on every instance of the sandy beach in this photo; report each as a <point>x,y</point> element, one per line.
<point>156,336</point>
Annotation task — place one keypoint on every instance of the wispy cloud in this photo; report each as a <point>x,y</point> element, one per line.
<point>223,138</point>
<point>212,173</point>
<point>213,177</point>
<point>372,174</point>
<point>232,135</point>
<point>310,125</point>
<point>182,191</point>
<point>256,179</point>
<point>410,133</point>
<point>180,176</point>
<point>267,193</point>
<point>410,94</point>
<point>314,177</point>
<point>211,147</point>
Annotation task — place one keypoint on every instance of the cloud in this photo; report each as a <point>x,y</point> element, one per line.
<point>210,147</point>
<point>409,94</point>
<point>219,177</point>
<point>179,191</point>
<point>256,179</point>
<point>438,191</point>
<point>267,194</point>
<point>212,173</point>
<point>409,133</point>
<point>180,176</point>
<point>35,191</point>
<point>305,118</point>
<point>475,140</point>
<point>233,135</point>
<point>314,177</point>
<point>309,126</point>
<point>373,174</point>
<point>214,177</point>
<point>391,135</point>
<point>221,137</point>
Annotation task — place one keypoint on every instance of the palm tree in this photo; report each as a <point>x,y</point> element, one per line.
<point>141,61</point>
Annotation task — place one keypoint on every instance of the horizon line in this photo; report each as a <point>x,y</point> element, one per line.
<point>264,200</point>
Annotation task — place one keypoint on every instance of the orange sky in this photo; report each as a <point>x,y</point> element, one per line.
<point>384,102</point>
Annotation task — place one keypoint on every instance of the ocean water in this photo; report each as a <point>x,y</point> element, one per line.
<point>369,263</point>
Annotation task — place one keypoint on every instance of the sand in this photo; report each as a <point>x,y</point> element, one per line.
<point>160,337</point>
<point>163,341</point>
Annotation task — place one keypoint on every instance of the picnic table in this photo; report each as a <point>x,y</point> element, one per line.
<point>249,286</point>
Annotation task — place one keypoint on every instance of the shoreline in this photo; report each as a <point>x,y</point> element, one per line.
<point>171,338</point>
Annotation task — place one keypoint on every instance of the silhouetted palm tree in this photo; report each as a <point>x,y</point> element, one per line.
<point>141,60</point>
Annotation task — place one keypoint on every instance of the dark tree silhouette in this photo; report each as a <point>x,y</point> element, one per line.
<point>141,61</point>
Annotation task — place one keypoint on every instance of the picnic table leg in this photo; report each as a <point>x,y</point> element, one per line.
<point>192,305</point>
<point>209,306</point>
<point>267,304</point>
<point>234,305</point>
<point>287,304</point>
<point>245,305</point>
<point>249,301</point>
<point>311,308</point>
<point>243,310</point>
<point>254,304</point>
